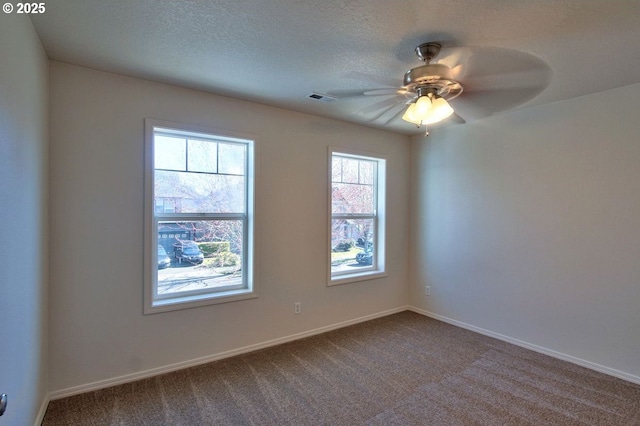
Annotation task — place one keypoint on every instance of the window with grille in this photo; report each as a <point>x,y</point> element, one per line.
<point>199,217</point>
<point>357,237</point>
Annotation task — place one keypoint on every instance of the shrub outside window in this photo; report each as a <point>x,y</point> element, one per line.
<point>357,228</point>
<point>198,217</point>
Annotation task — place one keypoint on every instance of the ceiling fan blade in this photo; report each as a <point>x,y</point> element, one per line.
<point>457,119</point>
<point>454,119</point>
<point>467,108</point>
<point>525,79</point>
<point>475,105</point>
<point>375,111</point>
<point>396,114</point>
<point>385,113</point>
<point>355,94</point>
<point>495,80</point>
<point>455,58</point>
<point>379,105</point>
<point>485,68</point>
<point>362,76</point>
<point>384,92</point>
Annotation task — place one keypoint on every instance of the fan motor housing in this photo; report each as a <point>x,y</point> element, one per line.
<point>434,78</point>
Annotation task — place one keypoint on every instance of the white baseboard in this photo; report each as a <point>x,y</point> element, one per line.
<point>42,410</point>
<point>559,355</point>
<point>63,393</point>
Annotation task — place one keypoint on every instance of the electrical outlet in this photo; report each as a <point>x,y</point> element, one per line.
<point>297,308</point>
<point>427,290</point>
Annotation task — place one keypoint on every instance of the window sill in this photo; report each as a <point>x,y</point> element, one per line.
<point>187,302</point>
<point>351,278</point>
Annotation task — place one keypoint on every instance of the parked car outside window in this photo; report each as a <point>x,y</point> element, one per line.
<point>164,261</point>
<point>366,257</point>
<point>188,251</point>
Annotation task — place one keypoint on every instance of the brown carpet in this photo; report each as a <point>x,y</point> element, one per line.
<point>404,369</point>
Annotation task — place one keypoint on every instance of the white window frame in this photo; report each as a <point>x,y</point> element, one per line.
<point>153,303</point>
<point>378,267</point>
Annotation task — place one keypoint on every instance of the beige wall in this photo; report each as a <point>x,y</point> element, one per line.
<point>527,225</point>
<point>98,331</point>
<point>23,215</point>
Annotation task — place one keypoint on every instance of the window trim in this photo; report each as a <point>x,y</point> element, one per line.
<point>378,267</point>
<point>153,304</point>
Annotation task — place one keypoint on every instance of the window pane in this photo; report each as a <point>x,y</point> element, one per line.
<point>170,152</point>
<point>336,169</point>
<point>352,198</point>
<point>349,170</point>
<point>203,156</point>
<point>201,192</point>
<point>199,255</point>
<point>232,158</point>
<point>367,169</point>
<point>351,244</point>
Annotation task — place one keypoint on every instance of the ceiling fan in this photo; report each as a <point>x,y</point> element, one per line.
<point>433,85</point>
<point>467,84</point>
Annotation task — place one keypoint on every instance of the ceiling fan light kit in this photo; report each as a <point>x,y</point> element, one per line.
<point>428,109</point>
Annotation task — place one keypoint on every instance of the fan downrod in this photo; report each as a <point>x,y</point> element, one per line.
<point>427,51</point>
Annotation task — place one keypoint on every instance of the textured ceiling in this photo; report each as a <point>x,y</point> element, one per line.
<point>509,53</point>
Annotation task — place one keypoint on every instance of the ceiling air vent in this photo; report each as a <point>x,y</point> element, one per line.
<point>321,97</point>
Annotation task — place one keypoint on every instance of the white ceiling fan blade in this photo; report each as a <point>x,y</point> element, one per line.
<point>378,109</point>
<point>396,114</point>
<point>525,79</point>
<point>456,119</point>
<point>385,113</point>
<point>475,105</point>
<point>449,121</point>
<point>355,94</point>
<point>455,58</point>
<point>385,92</point>
<point>468,108</point>
<point>362,76</point>
<point>361,94</point>
<point>497,79</point>
<point>488,68</point>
